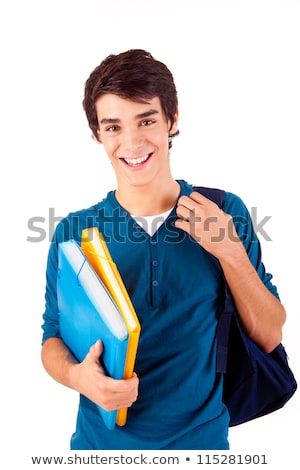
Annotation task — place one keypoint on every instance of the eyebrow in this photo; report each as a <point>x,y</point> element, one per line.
<point>144,115</point>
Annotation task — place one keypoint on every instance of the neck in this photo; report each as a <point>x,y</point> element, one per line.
<point>149,199</point>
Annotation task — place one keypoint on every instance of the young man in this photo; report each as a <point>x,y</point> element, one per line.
<point>173,248</point>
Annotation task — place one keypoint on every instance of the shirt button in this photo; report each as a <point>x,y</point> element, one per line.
<point>154,283</point>
<point>153,241</point>
<point>155,262</point>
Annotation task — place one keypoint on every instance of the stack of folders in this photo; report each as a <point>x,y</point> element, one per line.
<point>94,304</point>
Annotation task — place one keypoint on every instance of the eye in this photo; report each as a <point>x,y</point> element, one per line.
<point>112,129</point>
<point>147,122</point>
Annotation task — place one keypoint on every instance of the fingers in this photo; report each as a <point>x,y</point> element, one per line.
<point>200,199</point>
<point>186,208</point>
<point>96,349</point>
<point>105,391</point>
<point>188,201</point>
<point>117,394</point>
<point>95,352</point>
<point>195,205</point>
<point>183,224</point>
<point>201,218</point>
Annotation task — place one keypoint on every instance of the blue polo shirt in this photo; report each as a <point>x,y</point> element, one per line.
<point>177,289</point>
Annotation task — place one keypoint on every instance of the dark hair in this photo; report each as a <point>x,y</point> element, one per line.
<point>134,75</point>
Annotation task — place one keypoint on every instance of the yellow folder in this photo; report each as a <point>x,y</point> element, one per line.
<point>96,251</point>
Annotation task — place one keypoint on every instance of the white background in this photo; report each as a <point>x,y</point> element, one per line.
<point>236,66</point>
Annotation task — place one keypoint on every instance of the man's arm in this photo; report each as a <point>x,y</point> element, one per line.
<point>88,377</point>
<point>261,313</point>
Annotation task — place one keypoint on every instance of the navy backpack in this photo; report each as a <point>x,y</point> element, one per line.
<point>255,383</point>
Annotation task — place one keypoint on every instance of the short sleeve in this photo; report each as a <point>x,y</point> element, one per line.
<point>234,206</point>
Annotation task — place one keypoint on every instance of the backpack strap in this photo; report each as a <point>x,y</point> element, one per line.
<point>223,329</point>
<point>215,195</point>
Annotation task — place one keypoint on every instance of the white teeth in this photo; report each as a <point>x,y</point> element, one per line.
<point>136,161</point>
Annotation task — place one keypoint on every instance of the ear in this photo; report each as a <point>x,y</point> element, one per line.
<point>173,129</point>
<point>96,138</point>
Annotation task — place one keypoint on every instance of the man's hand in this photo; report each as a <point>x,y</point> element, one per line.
<point>90,380</point>
<point>211,227</point>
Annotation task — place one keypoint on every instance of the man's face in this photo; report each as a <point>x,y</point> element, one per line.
<point>135,137</point>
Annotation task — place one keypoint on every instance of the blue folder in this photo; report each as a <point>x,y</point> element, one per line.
<point>87,313</point>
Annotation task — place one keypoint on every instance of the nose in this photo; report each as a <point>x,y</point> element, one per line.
<point>132,139</point>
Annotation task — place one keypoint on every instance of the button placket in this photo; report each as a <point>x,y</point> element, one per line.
<point>154,272</point>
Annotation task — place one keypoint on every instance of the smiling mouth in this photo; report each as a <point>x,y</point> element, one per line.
<point>137,161</point>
